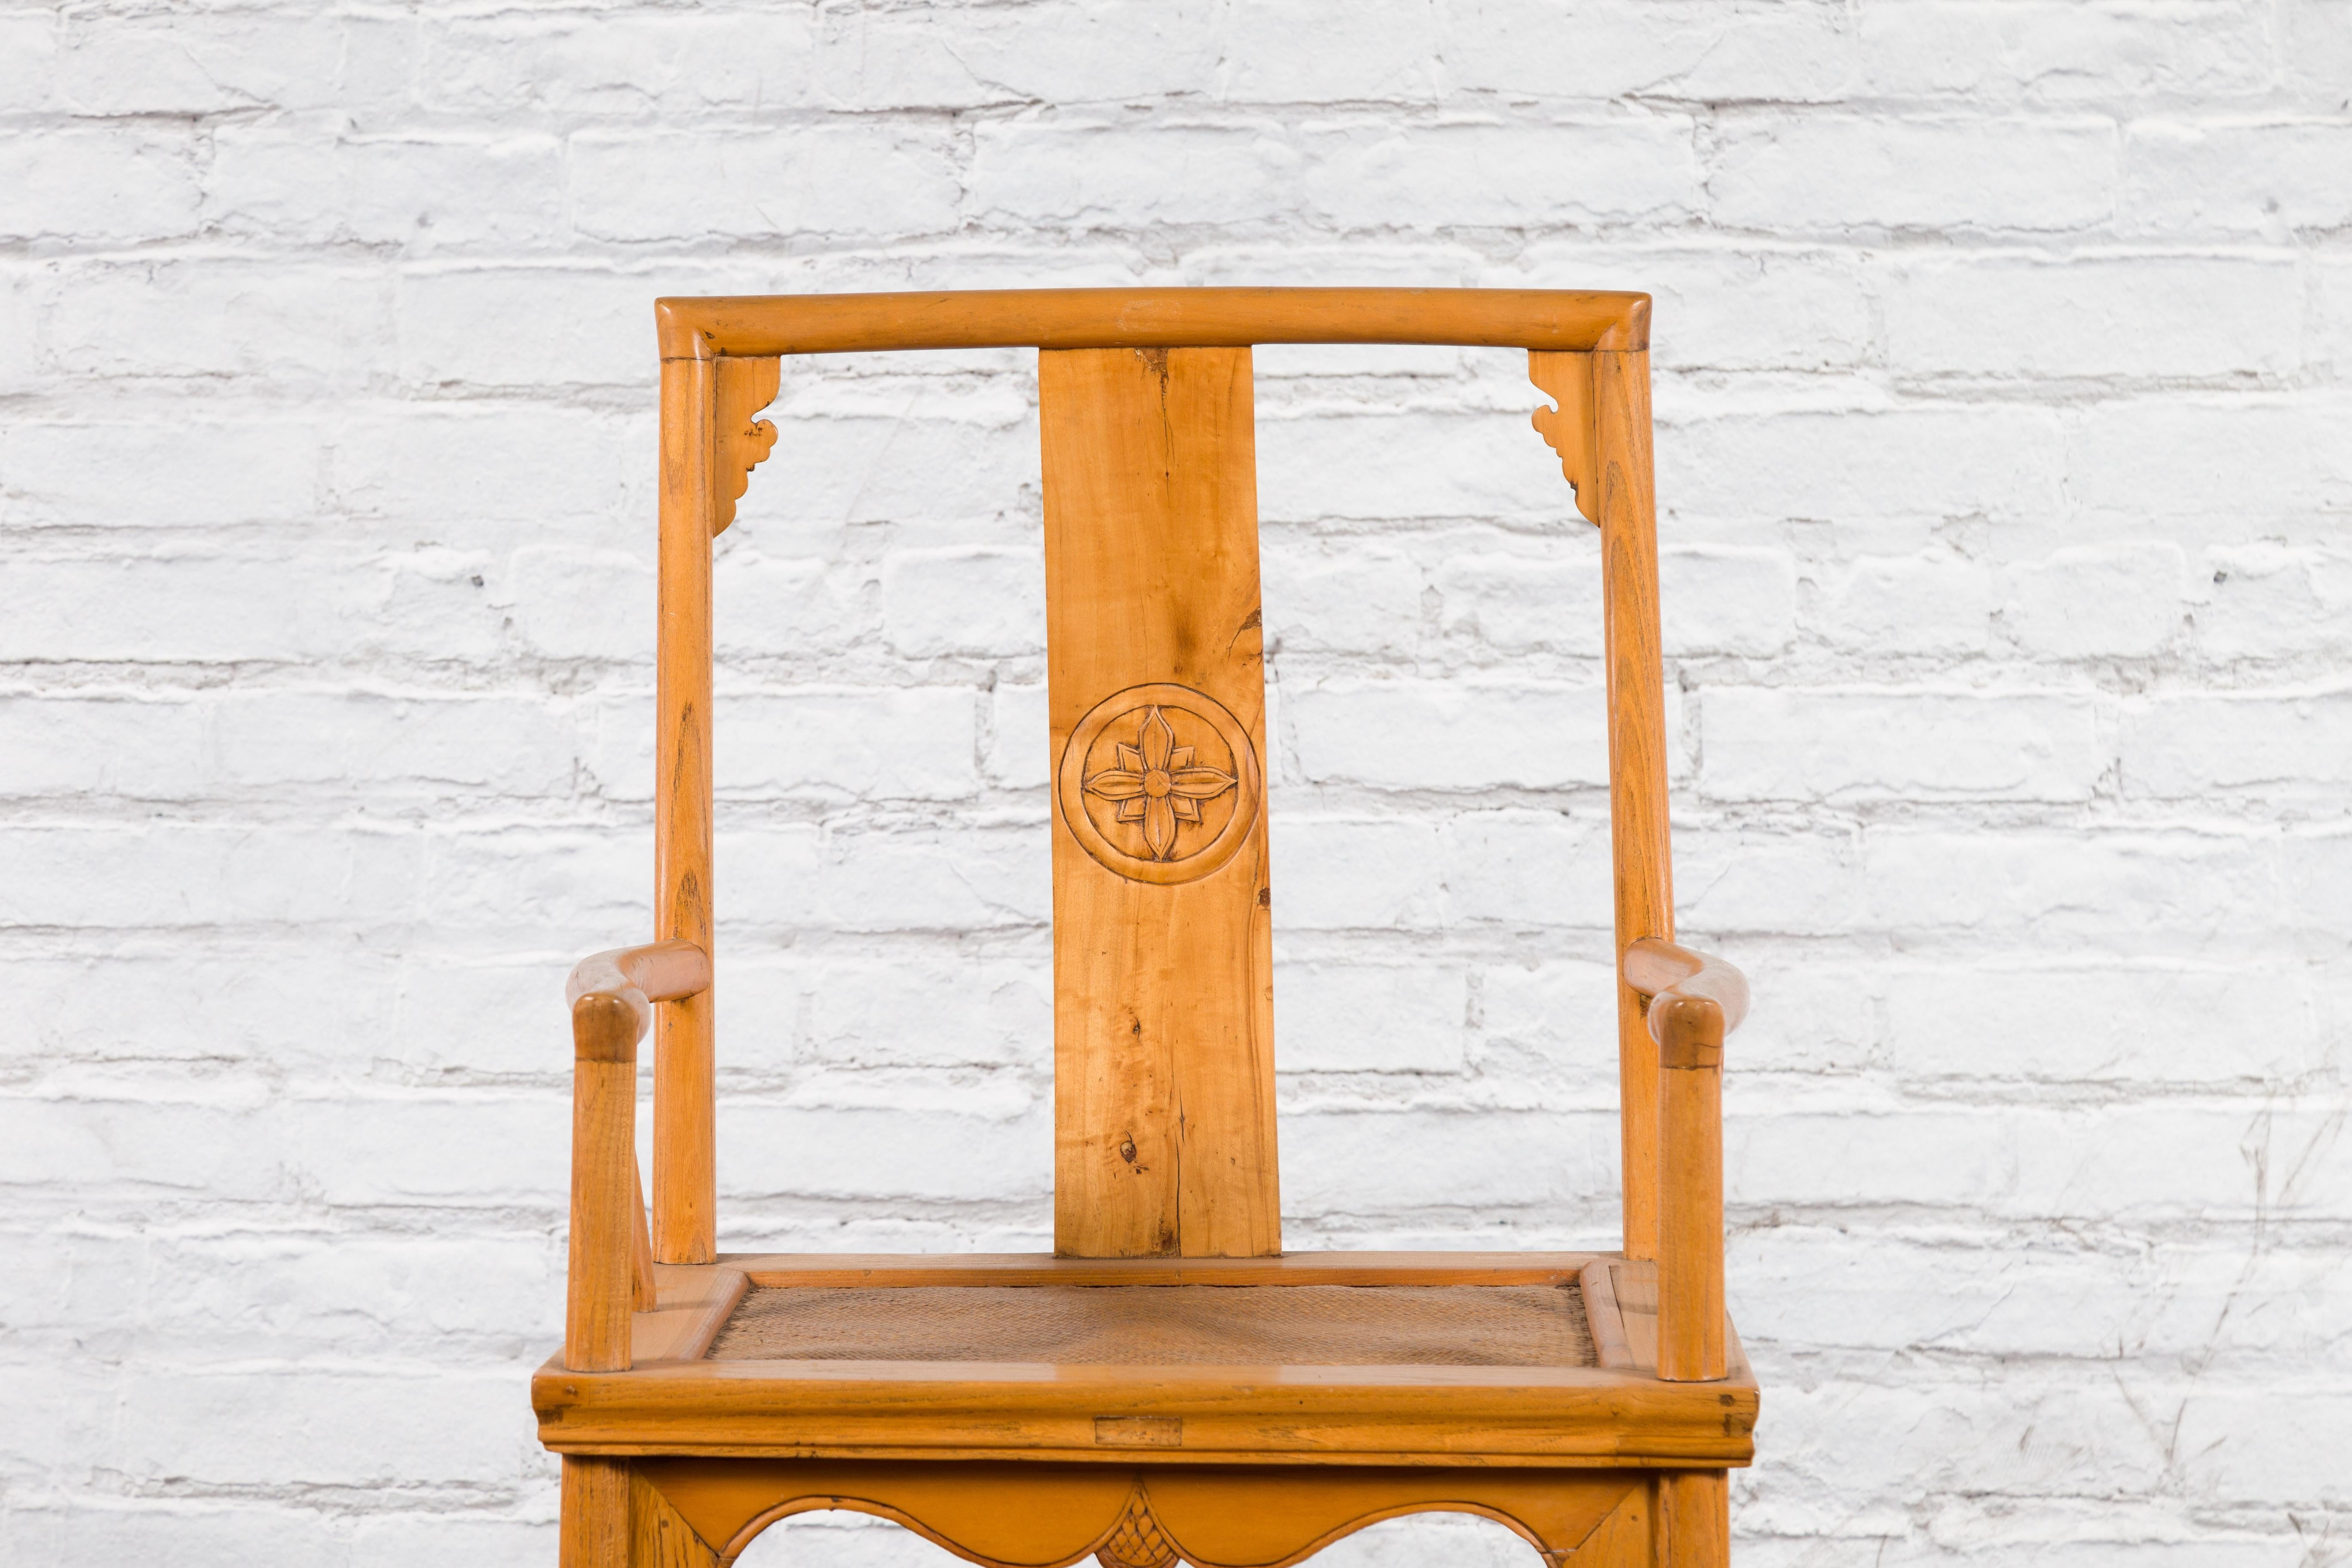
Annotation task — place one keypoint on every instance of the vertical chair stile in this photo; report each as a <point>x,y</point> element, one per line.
<point>686,1182</point>
<point>1639,851</point>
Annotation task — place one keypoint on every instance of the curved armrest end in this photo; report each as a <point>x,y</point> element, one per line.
<point>1695,997</point>
<point>612,993</point>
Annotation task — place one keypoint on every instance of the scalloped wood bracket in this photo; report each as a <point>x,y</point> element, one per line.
<point>745,387</point>
<point>1568,428</point>
<point>1025,1514</point>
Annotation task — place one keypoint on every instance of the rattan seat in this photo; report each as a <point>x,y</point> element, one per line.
<point>1159,1325</point>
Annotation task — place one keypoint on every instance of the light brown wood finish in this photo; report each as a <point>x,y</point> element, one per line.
<point>694,1302</point>
<point>1152,547</point>
<point>1690,1185</point>
<point>686,1180</point>
<point>1145,1517</point>
<point>1662,969</point>
<point>1163,972</point>
<point>765,325</point>
<point>661,1537</point>
<point>1568,429</point>
<point>675,1402</point>
<point>1564,1417</point>
<point>612,995</point>
<point>1694,1001</point>
<point>638,977</point>
<point>1612,1345</point>
<point>594,1533</point>
<point>744,387</point>
<point>1693,1515</point>
<point>643,1296</point>
<point>604,1184</point>
<point>1034,1268</point>
<point>1637,754</point>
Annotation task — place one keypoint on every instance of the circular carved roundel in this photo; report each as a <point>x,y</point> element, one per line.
<point>1159,783</point>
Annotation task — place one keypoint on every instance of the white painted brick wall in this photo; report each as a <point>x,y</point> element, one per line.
<point>2005,463</point>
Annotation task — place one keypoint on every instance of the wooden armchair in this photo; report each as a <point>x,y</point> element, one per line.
<point>1168,1384</point>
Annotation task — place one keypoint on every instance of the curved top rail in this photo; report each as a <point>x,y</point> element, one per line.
<point>1661,970</point>
<point>761,325</point>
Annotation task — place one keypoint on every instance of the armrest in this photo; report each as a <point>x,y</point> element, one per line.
<point>637,977</point>
<point>610,1270</point>
<point>1694,1002</point>
<point>1678,981</point>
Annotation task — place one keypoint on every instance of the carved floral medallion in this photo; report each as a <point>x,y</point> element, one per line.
<point>1159,783</point>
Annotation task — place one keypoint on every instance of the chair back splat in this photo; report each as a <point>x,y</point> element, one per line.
<point>1169,1384</point>
<point>1163,961</point>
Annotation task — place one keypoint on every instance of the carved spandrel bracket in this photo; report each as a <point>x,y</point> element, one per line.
<point>1568,429</point>
<point>745,387</point>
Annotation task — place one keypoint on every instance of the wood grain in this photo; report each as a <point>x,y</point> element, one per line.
<point>633,979</point>
<point>597,1299</point>
<point>1626,1539</point>
<point>1551,319</point>
<point>1635,1285</point>
<point>694,1302</point>
<point>1217,1518</point>
<point>1568,429</point>
<point>659,1536</point>
<point>685,1195</point>
<point>1163,991</point>
<point>1690,1185</point>
<point>1695,1520</point>
<point>594,1533</point>
<point>1604,1315</point>
<point>1663,972</point>
<point>1165,1143</point>
<point>1637,755</point>
<point>743,387</point>
<point>1038,1268</point>
<point>1566,1417</point>
<point>643,1296</point>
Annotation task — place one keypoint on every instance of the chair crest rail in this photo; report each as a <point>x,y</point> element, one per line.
<point>754,326</point>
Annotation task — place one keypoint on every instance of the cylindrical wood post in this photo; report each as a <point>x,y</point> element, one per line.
<point>599,1284</point>
<point>1637,754</point>
<point>1693,1518</point>
<point>596,1528</point>
<point>1690,1189</point>
<point>686,1182</point>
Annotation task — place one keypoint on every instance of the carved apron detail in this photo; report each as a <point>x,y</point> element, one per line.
<point>1159,783</point>
<point>1137,1540</point>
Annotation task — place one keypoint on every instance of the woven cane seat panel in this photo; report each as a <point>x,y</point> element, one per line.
<point>1149,1325</point>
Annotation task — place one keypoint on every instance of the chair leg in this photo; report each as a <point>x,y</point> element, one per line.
<point>1695,1519</point>
<point>595,1530</point>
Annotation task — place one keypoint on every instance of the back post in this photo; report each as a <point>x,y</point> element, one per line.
<point>710,441</point>
<point>685,1184</point>
<point>1643,873</point>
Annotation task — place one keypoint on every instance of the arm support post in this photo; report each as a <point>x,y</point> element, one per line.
<point>610,1273</point>
<point>1694,1002</point>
